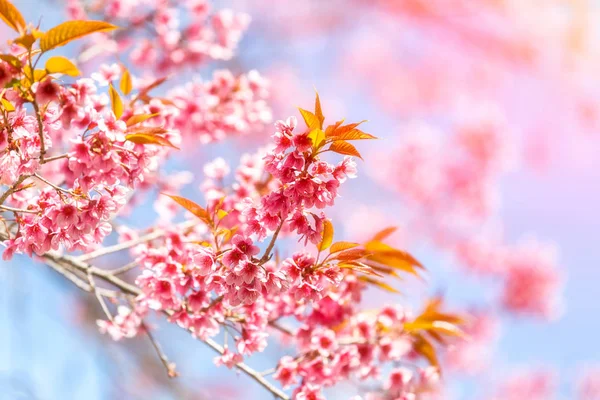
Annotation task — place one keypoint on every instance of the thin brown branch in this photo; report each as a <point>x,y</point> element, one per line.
<point>267,256</point>
<point>12,189</point>
<point>131,243</point>
<point>250,372</point>
<point>169,366</point>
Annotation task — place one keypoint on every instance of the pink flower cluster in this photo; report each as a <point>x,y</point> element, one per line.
<point>166,34</point>
<point>227,104</point>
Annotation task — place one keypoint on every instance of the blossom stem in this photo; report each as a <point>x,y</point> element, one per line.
<point>267,254</point>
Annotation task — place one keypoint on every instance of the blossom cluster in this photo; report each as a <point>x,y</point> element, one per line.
<point>165,34</point>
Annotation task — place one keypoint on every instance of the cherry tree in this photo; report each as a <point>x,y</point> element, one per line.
<point>78,153</point>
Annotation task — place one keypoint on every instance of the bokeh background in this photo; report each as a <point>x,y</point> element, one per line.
<point>525,73</point>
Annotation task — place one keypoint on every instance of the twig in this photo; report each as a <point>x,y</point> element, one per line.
<point>38,115</point>
<point>267,256</point>
<point>131,243</point>
<point>17,210</point>
<point>47,182</point>
<point>99,296</point>
<point>53,158</point>
<point>283,329</point>
<point>12,189</point>
<point>169,366</point>
<point>250,372</point>
<point>125,268</point>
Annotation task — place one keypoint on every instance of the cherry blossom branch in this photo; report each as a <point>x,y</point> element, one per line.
<point>134,290</point>
<point>169,366</point>
<point>250,372</point>
<point>12,189</point>
<point>266,257</point>
<point>17,210</point>
<point>53,158</point>
<point>38,115</point>
<point>131,243</point>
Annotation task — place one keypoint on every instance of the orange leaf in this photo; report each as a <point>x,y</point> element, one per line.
<point>327,237</point>
<point>345,148</point>
<point>340,246</point>
<point>71,30</point>
<point>379,284</point>
<point>351,254</point>
<point>11,16</point>
<point>423,347</point>
<point>143,138</point>
<point>384,233</point>
<point>137,119</point>
<point>191,207</point>
<point>354,134</point>
<point>343,129</point>
<point>391,252</point>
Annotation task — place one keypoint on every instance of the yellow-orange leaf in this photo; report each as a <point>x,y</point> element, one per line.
<point>345,148</point>
<point>341,246</point>
<point>423,347</point>
<point>384,234</point>
<point>191,207</point>
<point>319,111</point>
<point>436,326</point>
<point>352,254</point>
<point>327,237</point>
<point>61,65</point>
<point>7,105</point>
<point>379,247</point>
<point>12,60</point>
<point>379,284</point>
<point>317,136</point>
<point>26,40</point>
<point>310,119</point>
<point>354,134</point>
<point>125,85</point>
<point>222,214</point>
<point>11,16</point>
<point>144,91</point>
<point>137,119</point>
<point>145,138</point>
<point>358,267</point>
<point>115,101</point>
<point>71,30</point>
